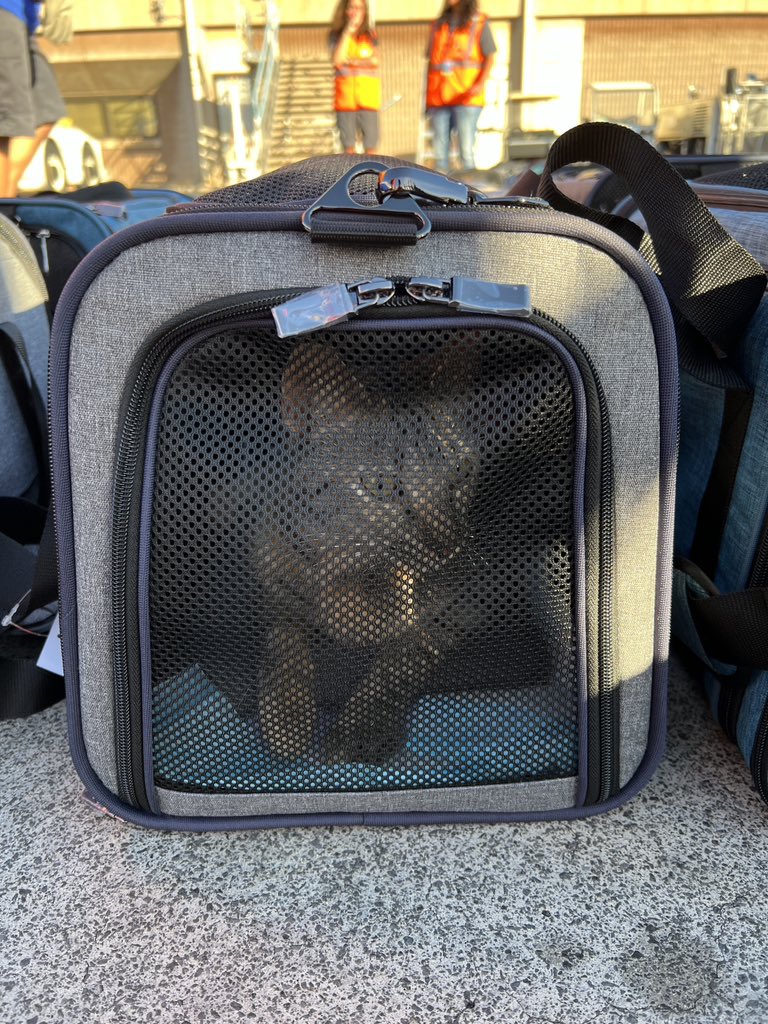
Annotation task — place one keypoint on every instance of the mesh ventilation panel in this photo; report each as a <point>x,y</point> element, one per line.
<point>302,182</point>
<point>750,176</point>
<point>362,563</point>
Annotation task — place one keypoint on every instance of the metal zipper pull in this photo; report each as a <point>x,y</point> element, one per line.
<point>416,182</point>
<point>472,296</point>
<point>324,306</point>
<point>43,235</point>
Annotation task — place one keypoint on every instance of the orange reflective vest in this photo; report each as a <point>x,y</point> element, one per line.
<point>358,87</point>
<point>455,61</point>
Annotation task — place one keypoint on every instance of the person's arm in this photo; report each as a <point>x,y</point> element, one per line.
<point>341,50</point>
<point>488,49</point>
<point>364,62</point>
<point>479,84</point>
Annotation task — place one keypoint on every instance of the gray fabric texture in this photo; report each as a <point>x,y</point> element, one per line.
<point>23,317</point>
<point>572,281</point>
<point>749,228</point>
<point>553,794</point>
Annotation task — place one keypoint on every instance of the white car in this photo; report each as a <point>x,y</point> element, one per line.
<point>68,158</point>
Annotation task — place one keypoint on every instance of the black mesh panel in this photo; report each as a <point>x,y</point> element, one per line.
<point>361,563</point>
<point>750,176</point>
<point>302,182</point>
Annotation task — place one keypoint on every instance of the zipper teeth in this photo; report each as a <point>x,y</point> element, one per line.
<point>759,575</point>
<point>503,203</point>
<point>125,471</point>
<point>761,743</point>
<point>606,698</point>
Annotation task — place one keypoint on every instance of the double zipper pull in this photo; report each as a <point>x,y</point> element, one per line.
<point>415,182</point>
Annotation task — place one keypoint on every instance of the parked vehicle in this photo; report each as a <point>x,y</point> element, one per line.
<point>69,157</point>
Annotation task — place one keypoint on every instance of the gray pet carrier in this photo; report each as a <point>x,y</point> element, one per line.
<point>364,533</point>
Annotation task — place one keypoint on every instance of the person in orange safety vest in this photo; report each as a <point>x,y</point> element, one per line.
<point>460,54</point>
<point>354,45</point>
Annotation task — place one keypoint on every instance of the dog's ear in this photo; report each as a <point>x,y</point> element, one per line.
<point>319,390</point>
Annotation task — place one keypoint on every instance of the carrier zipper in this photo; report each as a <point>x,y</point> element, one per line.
<point>322,307</point>
<point>43,236</point>
<point>759,757</point>
<point>607,693</point>
<point>759,575</point>
<point>759,578</point>
<point>128,756</point>
<point>327,306</point>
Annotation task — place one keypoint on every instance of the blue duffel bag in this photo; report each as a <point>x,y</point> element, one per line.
<point>62,229</point>
<point>721,538</point>
<point>720,585</point>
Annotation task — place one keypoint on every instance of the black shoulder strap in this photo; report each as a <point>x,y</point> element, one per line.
<point>712,280</point>
<point>28,583</point>
<point>13,358</point>
<point>734,627</point>
<point>728,628</point>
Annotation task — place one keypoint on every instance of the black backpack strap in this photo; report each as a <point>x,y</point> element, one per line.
<point>25,688</point>
<point>14,360</point>
<point>711,280</point>
<point>734,627</point>
<point>28,583</point>
<point>729,629</point>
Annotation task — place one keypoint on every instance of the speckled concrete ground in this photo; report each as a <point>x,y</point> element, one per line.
<point>654,913</point>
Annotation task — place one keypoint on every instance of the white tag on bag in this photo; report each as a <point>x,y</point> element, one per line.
<point>50,656</point>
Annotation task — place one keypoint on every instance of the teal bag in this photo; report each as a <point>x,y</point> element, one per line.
<point>720,586</point>
<point>720,595</point>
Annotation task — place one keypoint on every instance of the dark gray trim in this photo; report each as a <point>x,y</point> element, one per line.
<point>579,555</point>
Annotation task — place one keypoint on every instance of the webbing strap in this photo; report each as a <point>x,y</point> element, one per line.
<point>28,582</point>
<point>733,628</point>
<point>712,280</point>
<point>25,688</point>
<point>357,229</point>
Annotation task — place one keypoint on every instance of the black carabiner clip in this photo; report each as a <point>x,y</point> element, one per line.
<point>338,199</point>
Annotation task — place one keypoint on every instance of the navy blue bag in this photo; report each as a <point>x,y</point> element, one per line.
<point>720,586</point>
<point>62,229</point>
<point>721,577</point>
<point>720,602</point>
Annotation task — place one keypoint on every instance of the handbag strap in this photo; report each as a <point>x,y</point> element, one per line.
<point>711,280</point>
<point>28,583</point>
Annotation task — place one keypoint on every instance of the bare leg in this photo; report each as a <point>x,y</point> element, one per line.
<point>21,151</point>
<point>4,190</point>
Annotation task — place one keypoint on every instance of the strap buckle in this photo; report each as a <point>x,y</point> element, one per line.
<point>338,199</point>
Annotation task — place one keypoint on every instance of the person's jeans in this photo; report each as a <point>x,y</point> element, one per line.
<point>462,120</point>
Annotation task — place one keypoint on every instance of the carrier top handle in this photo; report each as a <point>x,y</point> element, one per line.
<point>712,280</point>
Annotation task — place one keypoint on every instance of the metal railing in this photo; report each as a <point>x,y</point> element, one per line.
<point>266,61</point>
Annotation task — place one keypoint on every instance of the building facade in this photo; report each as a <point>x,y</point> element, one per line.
<point>171,87</point>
